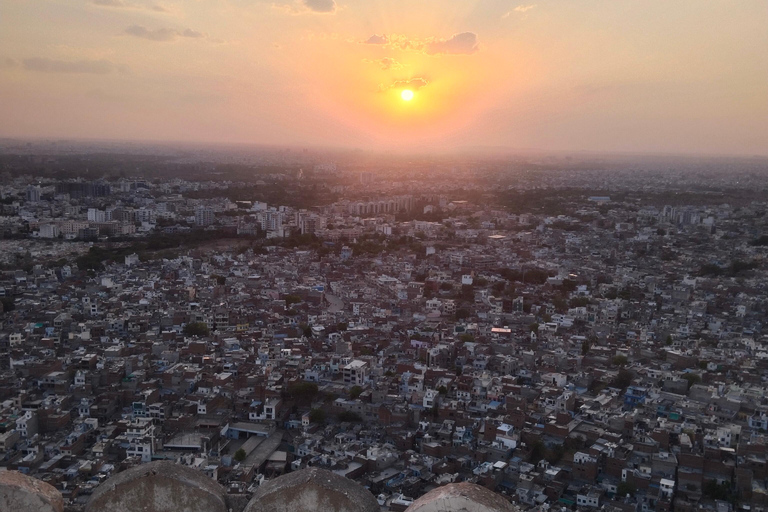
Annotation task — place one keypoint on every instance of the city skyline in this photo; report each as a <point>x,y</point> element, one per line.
<point>687,77</point>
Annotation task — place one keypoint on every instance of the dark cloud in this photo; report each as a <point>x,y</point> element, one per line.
<point>320,5</point>
<point>161,34</point>
<point>121,4</point>
<point>412,83</point>
<point>376,39</point>
<point>96,67</point>
<point>385,64</point>
<point>111,3</point>
<point>389,63</point>
<point>464,43</point>
<point>192,33</point>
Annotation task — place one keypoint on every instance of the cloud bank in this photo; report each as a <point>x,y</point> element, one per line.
<point>96,67</point>
<point>162,34</point>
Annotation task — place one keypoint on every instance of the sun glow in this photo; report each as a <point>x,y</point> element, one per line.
<point>407,94</point>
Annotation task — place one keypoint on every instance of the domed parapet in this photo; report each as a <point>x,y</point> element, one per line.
<point>21,493</point>
<point>159,487</point>
<point>462,497</point>
<point>312,490</point>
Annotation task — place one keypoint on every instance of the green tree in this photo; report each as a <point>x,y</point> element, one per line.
<point>196,329</point>
<point>292,299</point>
<point>240,455</point>
<point>537,452</point>
<point>619,360</point>
<point>623,379</point>
<point>317,416</point>
<point>355,392</point>
<point>302,392</point>
<point>625,488</point>
<point>8,304</point>
<point>692,379</point>
<point>350,417</point>
<point>462,313</point>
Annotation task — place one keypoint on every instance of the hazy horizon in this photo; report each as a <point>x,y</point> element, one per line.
<point>685,78</point>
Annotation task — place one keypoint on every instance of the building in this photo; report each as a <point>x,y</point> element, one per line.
<point>356,373</point>
<point>203,216</point>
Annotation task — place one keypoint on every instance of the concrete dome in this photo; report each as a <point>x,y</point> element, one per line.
<point>159,487</point>
<point>462,497</point>
<point>21,493</point>
<point>312,490</point>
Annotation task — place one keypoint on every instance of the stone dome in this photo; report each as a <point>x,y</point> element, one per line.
<point>312,490</point>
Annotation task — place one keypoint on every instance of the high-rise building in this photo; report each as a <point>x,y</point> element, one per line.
<point>96,215</point>
<point>33,194</point>
<point>203,216</point>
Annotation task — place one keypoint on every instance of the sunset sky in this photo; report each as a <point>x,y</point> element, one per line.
<point>687,76</point>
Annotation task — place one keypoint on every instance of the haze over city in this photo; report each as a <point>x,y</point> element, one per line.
<point>383,256</point>
<point>687,76</point>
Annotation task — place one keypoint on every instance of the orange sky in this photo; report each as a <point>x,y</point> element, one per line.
<point>653,76</point>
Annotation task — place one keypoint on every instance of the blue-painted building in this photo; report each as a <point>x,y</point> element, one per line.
<point>634,396</point>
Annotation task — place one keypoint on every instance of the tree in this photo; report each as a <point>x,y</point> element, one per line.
<point>350,416</point>
<point>462,313</point>
<point>8,304</point>
<point>692,379</point>
<point>355,392</point>
<point>292,299</point>
<point>625,488</point>
<point>585,346</point>
<point>620,360</point>
<point>537,452</point>
<point>303,392</point>
<point>196,329</point>
<point>240,455</point>
<point>623,379</point>
<point>317,416</point>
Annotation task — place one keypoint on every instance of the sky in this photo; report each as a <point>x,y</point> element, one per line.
<point>650,76</point>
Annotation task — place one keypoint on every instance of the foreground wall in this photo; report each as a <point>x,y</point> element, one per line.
<point>168,487</point>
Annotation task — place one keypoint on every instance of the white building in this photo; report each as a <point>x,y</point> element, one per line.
<point>356,372</point>
<point>204,216</point>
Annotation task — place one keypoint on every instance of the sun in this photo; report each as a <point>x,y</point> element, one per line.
<point>407,94</point>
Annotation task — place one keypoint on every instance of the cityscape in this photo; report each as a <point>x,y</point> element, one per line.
<point>549,331</point>
<point>383,256</point>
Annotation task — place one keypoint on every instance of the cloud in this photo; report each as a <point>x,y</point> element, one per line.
<point>96,67</point>
<point>9,63</point>
<point>192,33</point>
<point>464,43</point>
<point>322,6</point>
<point>413,84</point>
<point>376,39</point>
<point>121,4</point>
<point>520,8</point>
<point>161,34</point>
<point>386,63</point>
